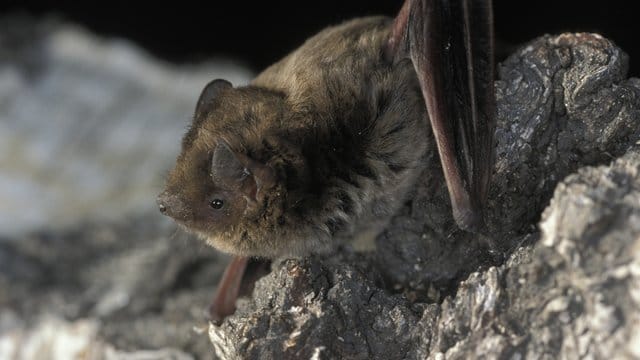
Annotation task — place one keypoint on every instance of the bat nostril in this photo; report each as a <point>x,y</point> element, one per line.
<point>162,204</point>
<point>171,205</point>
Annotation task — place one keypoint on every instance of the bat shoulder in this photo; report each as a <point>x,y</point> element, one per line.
<point>335,49</point>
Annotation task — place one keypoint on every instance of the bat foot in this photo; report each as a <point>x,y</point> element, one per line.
<point>492,249</point>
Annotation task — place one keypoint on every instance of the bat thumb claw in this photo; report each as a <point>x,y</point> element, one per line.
<point>470,221</point>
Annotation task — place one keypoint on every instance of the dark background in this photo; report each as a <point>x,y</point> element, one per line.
<point>259,34</point>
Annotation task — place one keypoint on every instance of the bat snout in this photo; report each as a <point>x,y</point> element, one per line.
<point>171,205</point>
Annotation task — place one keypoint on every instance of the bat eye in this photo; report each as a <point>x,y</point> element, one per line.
<point>216,204</point>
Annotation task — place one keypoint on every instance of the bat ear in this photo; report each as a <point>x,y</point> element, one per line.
<point>226,168</point>
<point>238,172</point>
<point>211,90</point>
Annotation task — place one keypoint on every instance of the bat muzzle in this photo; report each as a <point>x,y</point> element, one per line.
<point>171,205</point>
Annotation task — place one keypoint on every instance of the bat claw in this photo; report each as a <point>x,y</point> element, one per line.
<point>492,249</point>
<point>469,220</point>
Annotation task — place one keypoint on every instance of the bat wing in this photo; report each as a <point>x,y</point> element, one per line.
<point>450,43</point>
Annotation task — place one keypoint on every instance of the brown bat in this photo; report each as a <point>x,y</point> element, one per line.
<point>323,146</point>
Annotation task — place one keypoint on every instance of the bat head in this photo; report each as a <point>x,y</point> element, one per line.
<point>225,185</point>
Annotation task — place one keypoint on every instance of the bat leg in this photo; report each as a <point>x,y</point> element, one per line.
<point>450,43</point>
<point>237,280</point>
<point>224,301</point>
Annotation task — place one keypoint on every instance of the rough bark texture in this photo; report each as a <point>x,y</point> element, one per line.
<point>569,285</point>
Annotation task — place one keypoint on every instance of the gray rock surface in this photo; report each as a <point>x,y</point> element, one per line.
<point>133,287</point>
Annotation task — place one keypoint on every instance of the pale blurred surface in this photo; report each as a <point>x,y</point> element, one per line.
<point>88,126</point>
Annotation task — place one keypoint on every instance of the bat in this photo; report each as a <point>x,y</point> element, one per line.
<point>323,146</point>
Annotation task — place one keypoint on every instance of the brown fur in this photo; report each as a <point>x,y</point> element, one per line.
<point>343,129</point>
